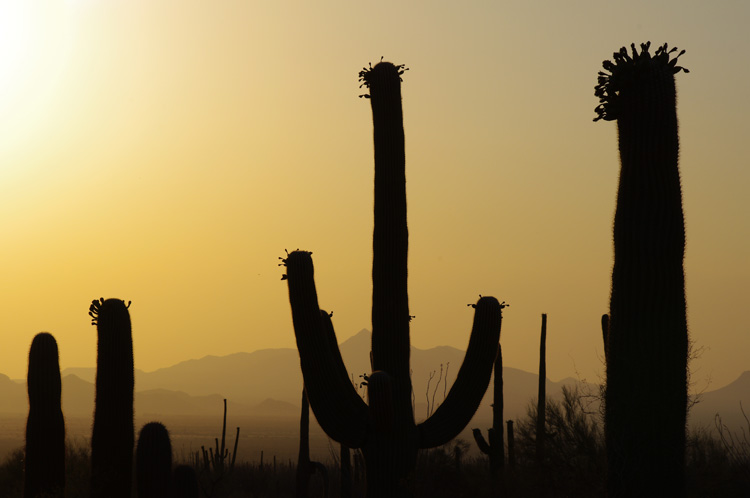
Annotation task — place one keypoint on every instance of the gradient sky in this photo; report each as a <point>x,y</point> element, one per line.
<point>167,152</point>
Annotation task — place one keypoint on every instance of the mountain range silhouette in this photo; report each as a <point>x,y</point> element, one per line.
<point>270,385</point>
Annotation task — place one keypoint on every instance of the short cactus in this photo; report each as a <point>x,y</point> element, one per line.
<point>646,338</point>
<point>153,462</point>
<point>184,482</point>
<point>45,429</point>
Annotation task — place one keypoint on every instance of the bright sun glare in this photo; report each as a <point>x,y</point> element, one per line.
<point>34,41</point>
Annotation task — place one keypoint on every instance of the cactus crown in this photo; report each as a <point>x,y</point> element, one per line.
<point>381,70</point>
<point>283,263</point>
<point>96,304</point>
<point>625,70</point>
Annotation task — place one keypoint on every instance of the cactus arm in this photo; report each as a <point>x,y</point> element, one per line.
<point>472,380</point>
<point>605,333</point>
<point>481,443</point>
<point>341,413</point>
<point>234,453</point>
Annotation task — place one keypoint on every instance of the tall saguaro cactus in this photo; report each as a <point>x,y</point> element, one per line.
<point>113,435</point>
<point>385,429</point>
<point>647,337</point>
<point>45,428</point>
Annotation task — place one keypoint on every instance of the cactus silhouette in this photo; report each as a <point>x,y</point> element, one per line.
<point>605,333</point>
<point>45,429</point>
<point>541,401</point>
<point>184,482</point>
<point>305,467</point>
<point>541,414</point>
<point>511,446</point>
<point>346,471</point>
<point>113,433</point>
<point>647,338</point>
<point>495,446</point>
<point>216,461</point>
<point>153,462</point>
<point>385,429</point>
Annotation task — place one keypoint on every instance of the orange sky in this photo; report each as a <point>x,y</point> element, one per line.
<point>167,152</point>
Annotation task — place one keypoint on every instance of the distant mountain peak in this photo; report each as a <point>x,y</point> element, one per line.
<point>361,337</point>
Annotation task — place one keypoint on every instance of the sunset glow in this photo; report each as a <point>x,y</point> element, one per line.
<point>168,152</point>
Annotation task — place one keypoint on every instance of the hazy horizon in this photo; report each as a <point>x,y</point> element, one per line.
<point>167,153</point>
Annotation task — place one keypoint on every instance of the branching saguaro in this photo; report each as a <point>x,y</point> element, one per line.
<point>45,428</point>
<point>384,428</point>
<point>113,435</point>
<point>647,337</point>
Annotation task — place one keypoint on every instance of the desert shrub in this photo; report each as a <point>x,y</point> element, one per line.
<point>11,474</point>
<point>574,462</point>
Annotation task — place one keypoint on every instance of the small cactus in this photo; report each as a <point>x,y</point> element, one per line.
<point>184,482</point>
<point>153,462</point>
<point>45,428</point>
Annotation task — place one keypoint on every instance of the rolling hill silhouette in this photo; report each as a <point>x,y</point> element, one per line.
<point>271,384</point>
<point>192,386</point>
<point>728,401</point>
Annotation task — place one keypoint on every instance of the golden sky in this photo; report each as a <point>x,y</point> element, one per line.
<point>167,152</point>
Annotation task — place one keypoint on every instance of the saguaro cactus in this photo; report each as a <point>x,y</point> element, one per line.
<point>184,482</point>
<point>647,338</point>
<point>113,434</point>
<point>153,462</point>
<point>511,446</point>
<point>45,428</point>
<point>495,446</point>
<point>541,402</point>
<point>385,429</point>
<point>346,471</point>
<point>306,467</point>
